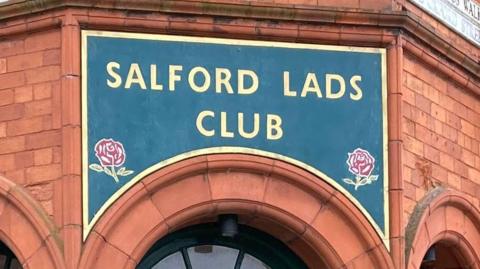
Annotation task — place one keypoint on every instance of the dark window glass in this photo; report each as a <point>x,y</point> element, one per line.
<point>7,258</point>
<point>203,247</point>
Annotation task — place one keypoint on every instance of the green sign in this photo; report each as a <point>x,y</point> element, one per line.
<point>151,100</point>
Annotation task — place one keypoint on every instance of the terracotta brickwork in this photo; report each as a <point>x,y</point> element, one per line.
<point>440,125</point>
<point>269,195</point>
<point>30,138</point>
<point>434,138</point>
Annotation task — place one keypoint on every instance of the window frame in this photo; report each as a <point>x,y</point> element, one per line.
<point>260,245</point>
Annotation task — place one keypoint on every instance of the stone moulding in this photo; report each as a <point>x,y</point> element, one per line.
<point>416,217</point>
<point>202,181</point>
<point>443,216</point>
<point>22,215</point>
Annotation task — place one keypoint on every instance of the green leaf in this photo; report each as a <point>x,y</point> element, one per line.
<point>125,173</point>
<point>96,167</point>
<point>363,181</point>
<point>348,181</point>
<point>373,178</point>
<point>107,171</point>
<point>121,170</point>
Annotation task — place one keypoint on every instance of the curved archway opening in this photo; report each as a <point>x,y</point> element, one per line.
<point>313,255</point>
<point>443,256</point>
<point>28,236</point>
<point>207,246</point>
<point>8,260</point>
<point>445,232</point>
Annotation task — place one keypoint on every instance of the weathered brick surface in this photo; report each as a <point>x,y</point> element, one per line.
<point>441,135</point>
<point>43,192</point>
<point>453,38</point>
<point>29,66</point>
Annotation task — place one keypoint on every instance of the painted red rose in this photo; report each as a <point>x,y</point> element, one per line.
<point>360,162</point>
<point>110,152</point>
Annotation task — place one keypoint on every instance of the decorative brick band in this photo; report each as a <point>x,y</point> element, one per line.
<point>391,19</point>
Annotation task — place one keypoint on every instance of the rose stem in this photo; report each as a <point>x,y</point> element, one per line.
<point>114,173</point>
<point>357,182</point>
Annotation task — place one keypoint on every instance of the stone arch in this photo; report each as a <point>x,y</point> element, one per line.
<point>27,230</point>
<point>278,198</point>
<point>445,217</point>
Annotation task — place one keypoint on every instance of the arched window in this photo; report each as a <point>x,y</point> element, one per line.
<point>203,246</point>
<point>443,256</point>
<point>7,258</point>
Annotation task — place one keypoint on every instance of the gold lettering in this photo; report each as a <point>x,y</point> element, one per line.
<point>328,86</point>
<point>153,78</point>
<point>135,76</point>
<point>274,127</point>
<point>286,85</point>
<point>172,76</point>
<point>223,126</point>
<point>241,85</point>
<point>241,126</point>
<point>117,78</point>
<point>191,79</point>
<point>358,90</point>
<point>199,122</point>
<point>308,87</point>
<point>223,76</point>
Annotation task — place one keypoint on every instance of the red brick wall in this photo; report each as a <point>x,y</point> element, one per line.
<point>441,135</point>
<point>30,138</point>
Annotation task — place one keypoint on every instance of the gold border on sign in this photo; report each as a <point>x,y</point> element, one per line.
<point>87,226</point>
<point>386,179</point>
